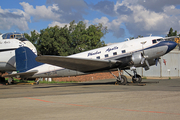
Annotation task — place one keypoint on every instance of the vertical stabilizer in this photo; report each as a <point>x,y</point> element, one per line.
<point>25,59</point>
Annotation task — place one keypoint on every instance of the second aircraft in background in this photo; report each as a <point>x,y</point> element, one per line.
<point>9,42</point>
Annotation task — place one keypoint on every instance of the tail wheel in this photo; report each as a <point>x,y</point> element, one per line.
<point>138,79</point>
<point>122,81</point>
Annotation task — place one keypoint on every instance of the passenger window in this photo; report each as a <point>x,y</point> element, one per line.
<point>106,55</point>
<point>114,53</point>
<point>123,51</point>
<point>154,41</point>
<point>98,57</point>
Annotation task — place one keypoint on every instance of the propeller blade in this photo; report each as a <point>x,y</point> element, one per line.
<point>142,61</point>
<point>147,63</point>
<point>157,60</point>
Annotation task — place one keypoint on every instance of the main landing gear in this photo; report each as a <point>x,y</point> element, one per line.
<point>136,78</point>
<point>122,80</point>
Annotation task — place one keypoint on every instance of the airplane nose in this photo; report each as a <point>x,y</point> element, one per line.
<point>171,45</point>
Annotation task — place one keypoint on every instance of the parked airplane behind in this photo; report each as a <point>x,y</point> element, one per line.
<point>9,42</point>
<point>141,52</point>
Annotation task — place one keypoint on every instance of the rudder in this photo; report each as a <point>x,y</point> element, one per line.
<point>25,59</point>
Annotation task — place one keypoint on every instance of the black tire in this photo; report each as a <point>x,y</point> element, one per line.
<point>138,79</point>
<point>37,82</point>
<point>2,80</point>
<point>123,80</point>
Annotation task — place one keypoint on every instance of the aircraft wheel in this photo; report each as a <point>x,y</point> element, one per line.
<point>2,80</point>
<point>123,80</point>
<point>138,79</point>
<point>37,82</point>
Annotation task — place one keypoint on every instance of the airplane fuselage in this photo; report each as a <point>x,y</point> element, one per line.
<point>130,53</point>
<point>7,50</point>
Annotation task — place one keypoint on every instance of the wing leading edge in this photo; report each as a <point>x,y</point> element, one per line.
<point>79,64</point>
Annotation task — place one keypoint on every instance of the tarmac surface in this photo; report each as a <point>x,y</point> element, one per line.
<point>159,99</point>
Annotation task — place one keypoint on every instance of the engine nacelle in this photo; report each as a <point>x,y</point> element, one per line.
<point>137,58</point>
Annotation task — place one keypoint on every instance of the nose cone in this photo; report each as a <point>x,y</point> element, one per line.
<point>171,45</point>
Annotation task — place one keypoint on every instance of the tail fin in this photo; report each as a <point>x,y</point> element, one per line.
<point>25,59</point>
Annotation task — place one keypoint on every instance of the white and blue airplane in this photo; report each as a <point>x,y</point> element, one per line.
<point>9,42</point>
<point>140,52</point>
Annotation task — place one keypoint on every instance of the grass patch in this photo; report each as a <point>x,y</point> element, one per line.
<point>21,81</point>
<point>42,82</point>
<point>144,77</point>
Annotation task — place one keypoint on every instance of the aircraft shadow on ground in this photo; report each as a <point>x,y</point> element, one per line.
<point>85,84</point>
<point>74,84</point>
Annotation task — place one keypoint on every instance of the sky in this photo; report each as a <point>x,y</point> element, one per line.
<point>123,18</point>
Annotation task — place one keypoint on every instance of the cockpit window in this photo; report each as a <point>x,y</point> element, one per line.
<point>154,41</point>
<point>12,36</point>
<point>15,35</point>
<point>159,39</point>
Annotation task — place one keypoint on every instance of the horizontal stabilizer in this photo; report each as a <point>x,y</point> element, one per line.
<point>22,75</point>
<point>79,64</point>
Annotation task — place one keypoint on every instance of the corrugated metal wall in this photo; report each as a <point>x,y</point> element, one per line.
<point>169,66</point>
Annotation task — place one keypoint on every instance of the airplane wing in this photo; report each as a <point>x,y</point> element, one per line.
<point>79,64</point>
<point>21,75</point>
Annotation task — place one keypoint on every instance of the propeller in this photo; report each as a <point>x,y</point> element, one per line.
<point>157,60</point>
<point>144,57</point>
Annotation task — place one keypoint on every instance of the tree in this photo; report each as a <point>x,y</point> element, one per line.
<point>65,40</point>
<point>171,33</point>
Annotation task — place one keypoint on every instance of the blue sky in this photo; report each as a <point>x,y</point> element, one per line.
<point>124,18</point>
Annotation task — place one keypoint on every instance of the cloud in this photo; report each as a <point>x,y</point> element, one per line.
<point>144,21</point>
<point>106,7</point>
<point>157,5</point>
<point>54,23</point>
<point>171,10</point>
<point>69,5</point>
<point>13,18</point>
<point>113,26</point>
<point>123,10</point>
<point>10,15</point>
<point>140,17</point>
<point>109,8</point>
<point>41,12</point>
<point>70,9</point>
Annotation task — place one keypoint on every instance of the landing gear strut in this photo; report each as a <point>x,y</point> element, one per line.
<point>121,79</point>
<point>136,78</point>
